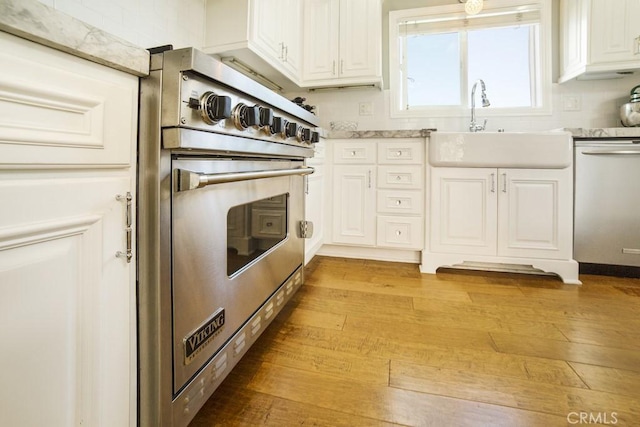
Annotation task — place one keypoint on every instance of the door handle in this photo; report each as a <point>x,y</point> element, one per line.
<point>612,152</point>
<point>504,182</point>
<point>187,180</point>
<point>493,182</point>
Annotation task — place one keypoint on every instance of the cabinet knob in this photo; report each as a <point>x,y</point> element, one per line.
<point>398,153</point>
<point>398,233</point>
<point>353,153</point>
<point>398,178</point>
<point>398,202</point>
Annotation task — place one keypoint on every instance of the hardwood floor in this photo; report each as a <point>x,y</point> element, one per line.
<point>366,343</point>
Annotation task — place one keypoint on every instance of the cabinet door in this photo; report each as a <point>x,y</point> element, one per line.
<point>321,34</point>
<point>463,210</point>
<point>535,208</point>
<point>573,18</point>
<point>614,31</point>
<point>360,38</point>
<point>268,29</point>
<point>354,218</point>
<point>314,211</point>
<point>290,24</point>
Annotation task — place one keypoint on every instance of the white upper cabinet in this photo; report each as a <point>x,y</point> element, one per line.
<point>263,36</point>
<point>342,43</point>
<point>599,36</point>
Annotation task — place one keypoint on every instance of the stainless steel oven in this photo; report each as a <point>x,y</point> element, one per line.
<point>221,225</point>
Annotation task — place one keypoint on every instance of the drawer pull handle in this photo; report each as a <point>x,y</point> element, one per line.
<point>398,202</point>
<point>399,153</point>
<point>353,153</point>
<point>398,233</point>
<point>398,178</point>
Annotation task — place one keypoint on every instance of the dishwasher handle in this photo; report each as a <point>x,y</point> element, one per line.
<point>612,152</point>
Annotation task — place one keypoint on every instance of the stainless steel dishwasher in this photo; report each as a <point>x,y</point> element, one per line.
<point>607,202</point>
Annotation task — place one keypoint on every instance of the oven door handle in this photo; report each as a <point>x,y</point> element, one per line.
<point>187,180</point>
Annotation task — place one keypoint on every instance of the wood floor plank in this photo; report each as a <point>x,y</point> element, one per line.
<point>389,404</point>
<point>569,351</point>
<point>590,334</point>
<point>609,379</point>
<point>317,318</point>
<point>511,392</point>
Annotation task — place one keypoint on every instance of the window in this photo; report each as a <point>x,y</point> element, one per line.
<point>438,53</point>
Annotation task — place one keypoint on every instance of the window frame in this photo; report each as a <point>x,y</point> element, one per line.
<point>545,67</point>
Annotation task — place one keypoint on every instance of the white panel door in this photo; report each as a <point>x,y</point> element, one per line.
<point>354,215</point>
<point>615,29</point>
<point>321,35</point>
<point>268,32</point>
<point>360,27</point>
<point>65,303</point>
<point>464,210</point>
<point>532,206</point>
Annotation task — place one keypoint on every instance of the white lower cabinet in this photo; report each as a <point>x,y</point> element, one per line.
<point>378,194</point>
<point>523,216</point>
<point>67,301</point>
<point>354,219</point>
<point>315,204</point>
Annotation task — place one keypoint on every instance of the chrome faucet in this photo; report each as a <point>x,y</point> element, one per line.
<point>473,127</point>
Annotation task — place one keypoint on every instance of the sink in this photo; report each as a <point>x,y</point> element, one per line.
<point>546,150</point>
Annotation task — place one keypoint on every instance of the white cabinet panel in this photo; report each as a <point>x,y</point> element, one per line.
<point>62,110</point>
<point>463,210</point>
<point>354,205</point>
<point>400,202</point>
<point>400,232</point>
<point>533,212</point>
<point>395,152</point>
<point>343,42</point>
<point>65,303</point>
<point>354,152</point>
<point>405,177</point>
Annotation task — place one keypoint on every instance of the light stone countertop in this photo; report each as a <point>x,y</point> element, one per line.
<point>604,132</point>
<point>363,134</point>
<point>42,24</point>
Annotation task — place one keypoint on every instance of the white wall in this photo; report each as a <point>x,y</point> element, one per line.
<point>145,23</point>
<point>599,102</point>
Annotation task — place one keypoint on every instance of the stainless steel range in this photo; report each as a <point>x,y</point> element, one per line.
<point>220,222</point>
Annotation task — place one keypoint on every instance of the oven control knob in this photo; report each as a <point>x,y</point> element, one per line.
<point>266,117</point>
<point>304,134</point>
<point>245,116</point>
<point>215,107</point>
<point>315,137</point>
<point>278,125</point>
<point>291,130</point>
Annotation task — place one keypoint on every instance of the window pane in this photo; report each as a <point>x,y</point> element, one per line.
<point>433,69</point>
<point>500,57</point>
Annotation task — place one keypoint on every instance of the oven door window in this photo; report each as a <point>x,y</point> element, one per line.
<point>253,229</point>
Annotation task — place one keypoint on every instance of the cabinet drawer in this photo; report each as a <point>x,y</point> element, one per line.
<point>400,202</point>
<point>400,232</point>
<point>403,151</point>
<point>400,176</point>
<point>354,152</point>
